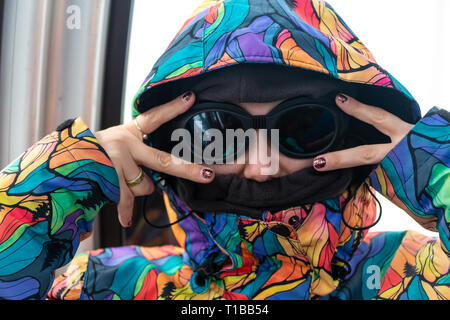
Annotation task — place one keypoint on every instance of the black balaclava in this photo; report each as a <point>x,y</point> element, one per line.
<point>230,193</point>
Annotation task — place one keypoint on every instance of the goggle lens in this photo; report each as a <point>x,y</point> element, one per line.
<point>306,130</point>
<point>213,125</point>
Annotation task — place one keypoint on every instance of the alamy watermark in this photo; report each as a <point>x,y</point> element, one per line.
<point>374,279</point>
<point>234,139</point>
<point>73,20</point>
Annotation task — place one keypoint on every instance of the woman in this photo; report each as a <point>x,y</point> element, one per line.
<point>300,232</point>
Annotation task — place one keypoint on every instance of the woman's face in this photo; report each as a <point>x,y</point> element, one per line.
<point>254,170</point>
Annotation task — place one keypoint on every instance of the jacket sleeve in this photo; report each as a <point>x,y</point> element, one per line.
<point>415,175</point>
<point>49,197</point>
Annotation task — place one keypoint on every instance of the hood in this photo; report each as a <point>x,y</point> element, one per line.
<point>262,51</point>
<point>301,38</point>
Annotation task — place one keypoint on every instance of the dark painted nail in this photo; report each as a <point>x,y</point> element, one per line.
<point>342,98</point>
<point>320,163</point>
<point>207,173</point>
<point>187,96</point>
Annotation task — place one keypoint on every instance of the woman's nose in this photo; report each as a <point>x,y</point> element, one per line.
<point>254,172</point>
<point>259,158</point>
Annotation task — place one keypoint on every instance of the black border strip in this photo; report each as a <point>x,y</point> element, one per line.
<point>111,232</point>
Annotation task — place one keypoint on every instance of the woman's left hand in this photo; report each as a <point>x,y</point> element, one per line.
<point>384,121</point>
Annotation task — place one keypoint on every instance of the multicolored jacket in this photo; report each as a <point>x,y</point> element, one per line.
<point>51,194</point>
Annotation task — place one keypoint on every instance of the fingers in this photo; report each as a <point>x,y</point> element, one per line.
<point>381,119</point>
<point>127,195</point>
<point>159,160</point>
<point>131,171</point>
<point>354,157</point>
<point>156,160</point>
<point>165,162</point>
<point>384,121</point>
<point>126,203</point>
<point>127,151</point>
<point>155,117</point>
<point>162,161</point>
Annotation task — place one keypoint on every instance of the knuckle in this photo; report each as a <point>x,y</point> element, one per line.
<point>118,141</point>
<point>378,116</point>
<point>151,120</point>
<point>369,155</point>
<point>114,139</point>
<point>163,159</point>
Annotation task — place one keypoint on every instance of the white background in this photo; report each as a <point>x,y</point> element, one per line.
<point>409,38</point>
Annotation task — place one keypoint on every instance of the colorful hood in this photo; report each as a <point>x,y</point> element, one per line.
<point>304,37</point>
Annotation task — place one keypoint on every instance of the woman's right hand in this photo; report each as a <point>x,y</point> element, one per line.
<point>124,145</point>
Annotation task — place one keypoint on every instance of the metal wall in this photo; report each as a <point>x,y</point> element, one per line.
<point>52,68</point>
<point>62,59</point>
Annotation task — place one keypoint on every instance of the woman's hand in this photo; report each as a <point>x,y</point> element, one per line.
<point>124,145</point>
<point>384,121</point>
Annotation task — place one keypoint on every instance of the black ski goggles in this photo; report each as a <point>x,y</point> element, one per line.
<point>306,127</point>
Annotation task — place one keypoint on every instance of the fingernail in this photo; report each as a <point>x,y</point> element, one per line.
<point>187,96</point>
<point>207,173</point>
<point>341,98</point>
<point>320,163</point>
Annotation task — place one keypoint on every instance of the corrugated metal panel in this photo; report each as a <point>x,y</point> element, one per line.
<point>52,68</point>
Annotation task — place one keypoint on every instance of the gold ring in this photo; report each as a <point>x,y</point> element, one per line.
<point>137,180</point>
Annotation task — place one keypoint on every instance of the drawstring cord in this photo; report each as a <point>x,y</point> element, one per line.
<point>144,203</point>
<point>191,212</point>
<point>165,225</point>
<point>373,224</point>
